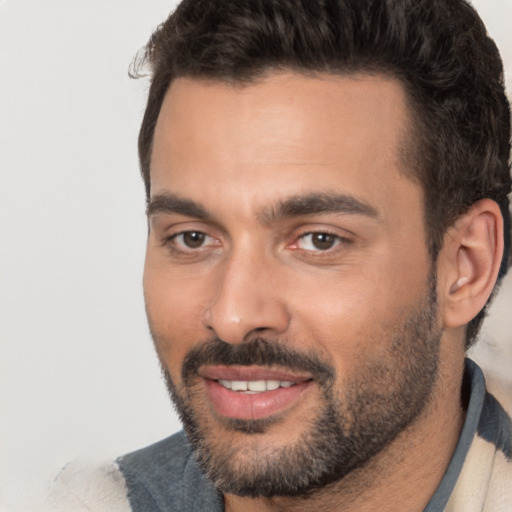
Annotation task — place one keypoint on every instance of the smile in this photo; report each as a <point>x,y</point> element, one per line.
<point>251,393</point>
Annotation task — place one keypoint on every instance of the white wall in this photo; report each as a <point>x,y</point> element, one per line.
<point>78,374</point>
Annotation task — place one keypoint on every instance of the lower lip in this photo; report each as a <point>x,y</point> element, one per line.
<point>238,405</point>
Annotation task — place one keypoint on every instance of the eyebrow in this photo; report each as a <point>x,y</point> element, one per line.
<point>170,203</point>
<point>314,204</point>
<point>294,206</point>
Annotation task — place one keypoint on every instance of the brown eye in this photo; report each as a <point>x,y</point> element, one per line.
<point>193,239</point>
<point>323,241</point>
<point>192,243</point>
<point>319,241</point>
<point>190,239</point>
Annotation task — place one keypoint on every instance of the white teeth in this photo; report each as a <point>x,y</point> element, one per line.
<point>225,383</point>
<point>239,385</point>
<point>255,386</point>
<point>272,384</point>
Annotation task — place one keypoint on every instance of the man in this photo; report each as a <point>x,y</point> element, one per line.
<point>327,191</point>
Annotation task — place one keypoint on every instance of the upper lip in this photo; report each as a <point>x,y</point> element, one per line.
<point>250,373</point>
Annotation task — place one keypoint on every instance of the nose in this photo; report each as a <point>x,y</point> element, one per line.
<point>246,302</point>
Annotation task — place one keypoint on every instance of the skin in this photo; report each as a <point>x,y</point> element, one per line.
<point>237,152</point>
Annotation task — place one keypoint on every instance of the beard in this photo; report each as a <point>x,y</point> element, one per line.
<point>351,425</point>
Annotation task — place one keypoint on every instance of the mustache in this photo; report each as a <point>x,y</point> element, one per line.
<point>260,352</point>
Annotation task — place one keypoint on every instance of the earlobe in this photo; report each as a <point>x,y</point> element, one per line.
<point>471,260</point>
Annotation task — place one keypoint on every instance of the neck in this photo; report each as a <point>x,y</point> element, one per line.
<point>403,476</point>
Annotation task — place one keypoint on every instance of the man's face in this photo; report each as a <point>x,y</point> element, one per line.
<point>288,285</point>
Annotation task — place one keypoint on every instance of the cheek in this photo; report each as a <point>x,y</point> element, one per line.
<point>340,321</point>
<point>352,317</point>
<point>174,306</point>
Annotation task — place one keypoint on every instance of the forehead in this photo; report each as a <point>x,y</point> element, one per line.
<point>284,134</point>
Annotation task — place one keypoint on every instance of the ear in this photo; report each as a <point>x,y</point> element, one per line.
<point>469,262</point>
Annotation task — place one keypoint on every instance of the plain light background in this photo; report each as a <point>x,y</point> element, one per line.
<point>78,376</point>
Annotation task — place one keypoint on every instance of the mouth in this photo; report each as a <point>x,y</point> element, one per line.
<point>252,393</point>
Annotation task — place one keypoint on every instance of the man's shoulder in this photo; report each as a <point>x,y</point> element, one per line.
<point>162,477</point>
<point>168,456</point>
<point>165,476</point>
<point>86,486</point>
<point>485,481</point>
<point>500,388</point>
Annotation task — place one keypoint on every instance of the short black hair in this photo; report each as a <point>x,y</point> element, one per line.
<point>438,49</point>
